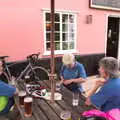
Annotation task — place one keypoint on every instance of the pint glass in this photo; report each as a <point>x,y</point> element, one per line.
<point>22,95</point>
<point>28,106</point>
<point>75,100</point>
<point>65,115</point>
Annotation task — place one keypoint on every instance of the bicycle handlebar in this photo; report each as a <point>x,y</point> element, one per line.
<point>3,57</point>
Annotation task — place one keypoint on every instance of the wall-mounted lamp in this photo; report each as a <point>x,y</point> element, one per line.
<point>89,19</point>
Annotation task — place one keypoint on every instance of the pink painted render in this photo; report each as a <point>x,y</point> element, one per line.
<point>22,29</point>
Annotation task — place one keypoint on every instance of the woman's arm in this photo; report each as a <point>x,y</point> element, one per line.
<point>93,90</point>
<point>97,85</point>
<point>77,80</point>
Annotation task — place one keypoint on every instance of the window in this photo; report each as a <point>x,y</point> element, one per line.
<point>65,31</point>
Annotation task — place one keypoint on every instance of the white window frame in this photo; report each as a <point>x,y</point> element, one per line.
<point>75,40</point>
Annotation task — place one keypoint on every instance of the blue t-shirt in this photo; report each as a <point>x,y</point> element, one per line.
<point>71,73</point>
<point>108,97</point>
<point>6,89</point>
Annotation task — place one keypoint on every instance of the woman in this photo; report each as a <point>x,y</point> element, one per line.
<point>108,97</point>
<point>6,94</point>
<point>72,73</point>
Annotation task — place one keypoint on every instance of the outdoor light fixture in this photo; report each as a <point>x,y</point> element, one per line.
<point>89,19</point>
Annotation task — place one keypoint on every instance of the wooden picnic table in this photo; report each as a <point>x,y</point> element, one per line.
<point>45,110</point>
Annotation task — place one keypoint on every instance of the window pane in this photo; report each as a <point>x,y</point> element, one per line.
<point>64,37</point>
<point>64,18</point>
<point>71,27</point>
<point>57,36</point>
<point>57,27</point>
<point>48,36</point>
<point>57,45</point>
<point>65,27</point>
<point>64,31</point>
<point>71,45</point>
<point>48,46</point>
<point>71,37</point>
<point>65,46</point>
<point>57,17</point>
<point>47,16</point>
<point>48,26</point>
<point>71,18</point>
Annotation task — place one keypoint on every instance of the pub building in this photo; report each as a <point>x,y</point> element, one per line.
<point>90,29</point>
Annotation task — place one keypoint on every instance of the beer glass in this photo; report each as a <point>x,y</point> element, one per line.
<point>65,115</point>
<point>28,106</point>
<point>27,79</point>
<point>21,95</point>
<point>75,100</point>
<point>58,86</point>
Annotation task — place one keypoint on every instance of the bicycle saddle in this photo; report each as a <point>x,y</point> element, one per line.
<point>3,57</point>
<point>33,55</point>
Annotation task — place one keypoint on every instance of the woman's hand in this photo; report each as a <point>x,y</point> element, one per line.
<point>88,102</point>
<point>100,82</point>
<point>67,82</point>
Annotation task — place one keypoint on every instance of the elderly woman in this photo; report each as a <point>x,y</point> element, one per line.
<point>108,97</point>
<point>72,73</point>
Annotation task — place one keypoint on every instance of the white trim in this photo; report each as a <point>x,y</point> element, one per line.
<point>60,31</point>
<point>103,7</point>
<point>58,10</point>
<point>60,52</point>
<point>115,16</point>
<point>44,39</point>
<point>119,42</point>
<point>46,52</point>
<point>75,42</point>
<point>106,30</point>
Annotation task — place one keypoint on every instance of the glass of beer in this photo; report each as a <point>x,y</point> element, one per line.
<point>21,95</point>
<point>28,106</point>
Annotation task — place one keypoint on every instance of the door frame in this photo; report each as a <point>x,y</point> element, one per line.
<point>115,16</point>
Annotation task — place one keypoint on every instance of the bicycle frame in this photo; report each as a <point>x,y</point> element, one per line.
<point>29,66</point>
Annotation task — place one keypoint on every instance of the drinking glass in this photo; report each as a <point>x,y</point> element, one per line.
<point>21,95</point>
<point>58,86</point>
<point>28,106</point>
<point>65,115</point>
<point>75,100</point>
<point>27,79</point>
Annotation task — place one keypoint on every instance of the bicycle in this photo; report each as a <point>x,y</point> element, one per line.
<point>31,70</point>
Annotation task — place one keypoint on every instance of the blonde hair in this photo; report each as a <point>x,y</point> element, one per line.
<point>68,59</point>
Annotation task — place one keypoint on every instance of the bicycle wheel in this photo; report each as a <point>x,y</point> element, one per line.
<point>4,77</point>
<point>37,73</point>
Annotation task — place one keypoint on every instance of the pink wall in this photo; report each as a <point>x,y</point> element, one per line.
<point>21,27</point>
